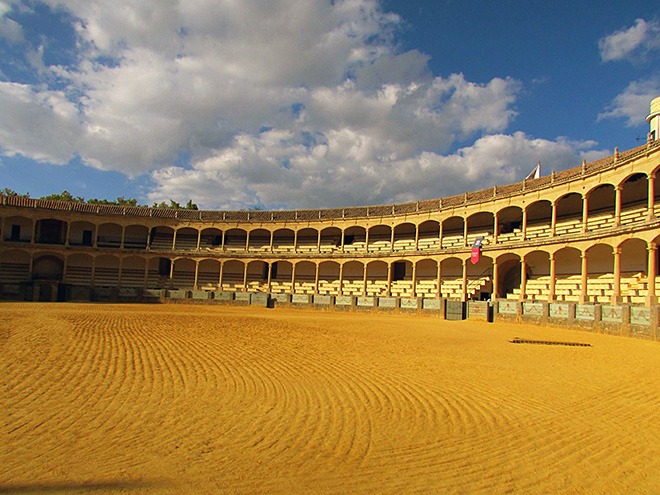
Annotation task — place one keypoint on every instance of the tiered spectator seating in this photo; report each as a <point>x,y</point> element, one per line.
<point>109,242</point>
<point>304,284</point>
<point>428,243</point>
<point>207,279</point>
<point>283,246</point>
<point>259,244</point>
<point>404,242</point>
<point>382,243</point>
<point>14,272</point>
<point>182,279</point>
<point>635,213</point>
<point>162,242</point>
<point>538,230</point>
<point>280,286</point>
<point>452,240</point>
<point>77,275</point>
<point>232,282</point>
<point>132,277</point>
<point>329,287</point>
<point>235,244</point>
<point>515,236</point>
<point>307,245</point>
<point>135,243</point>
<point>377,287</point>
<point>453,288</point>
<point>355,246</point>
<point>330,246</point>
<point>568,225</point>
<point>353,287</point>
<point>106,277</point>
<point>427,287</point>
<point>186,242</point>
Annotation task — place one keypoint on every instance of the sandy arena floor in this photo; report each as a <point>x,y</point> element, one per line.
<point>180,399</point>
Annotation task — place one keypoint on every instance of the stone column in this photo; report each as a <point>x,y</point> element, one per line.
<point>293,279</point>
<point>34,234</point>
<point>174,240</point>
<point>316,279</point>
<point>123,237</point>
<point>414,279</point>
<point>465,232</point>
<point>584,273</point>
<point>270,276</point>
<point>199,239</point>
<point>318,242</point>
<point>464,289</point>
<point>439,279</point>
<point>651,273</point>
<point>341,275</point>
<point>524,224</point>
<point>651,197</point>
<point>616,296</point>
<point>553,277</point>
<point>366,239</point>
<point>389,279</point>
<point>496,282</point>
<point>67,229</point>
<point>496,227</point>
<point>553,223</point>
<point>172,272</point>
<point>585,213</point>
<point>245,272</point>
<point>523,279</point>
<point>222,240</point>
<point>440,234</point>
<point>220,275</point>
<point>93,281</point>
<point>416,237</point>
<point>364,278</point>
<point>617,206</point>
<point>247,241</point>
<point>146,274</point>
<point>392,239</point>
<point>196,274</point>
<point>64,268</point>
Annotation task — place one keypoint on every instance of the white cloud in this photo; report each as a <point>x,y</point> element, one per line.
<point>638,40</point>
<point>297,103</point>
<point>353,169</point>
<point>633,103</point>
<point>9,29</point>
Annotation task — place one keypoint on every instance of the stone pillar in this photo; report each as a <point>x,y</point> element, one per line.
<point>553,277</point>
<point>651,197</point>
<point>172,272</point>
<point>196,274</point>
<point>440,234</point>
<point>65,267</point>
<point>174,240</point>
<point>247,241</point>
<point>341,272</point>
<point>293,279</point>
<point>439,279</point>
<point>617,206</point>
<point>366,239</point>
<point>416,237</point>
<point>199,239</point>
<point>220,275</point>
<point>414,279</point>
<point>524,224</point>
<point>584,273</point>
<point>34,234</point>
<point>318,242</point>
<point>392,239</point>
<point>245,271</point>
<point>616,296</point>
<point>222,240</point>
<point>585,213</point>
<point>652,273</point>
<point>316,279</point>
<point>465,232</point>
<point>464,289</point>
<point>364,278</point>
<point>496,282</point>
<point>496,228</point>
<point>123,237</point>
<point>270,275</point>
<point>553,223</point>
<point>523,279</point>
<point>67,229</point>
<point>389,280</point>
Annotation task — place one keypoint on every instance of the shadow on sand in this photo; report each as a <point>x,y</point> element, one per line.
<point>62,487</point>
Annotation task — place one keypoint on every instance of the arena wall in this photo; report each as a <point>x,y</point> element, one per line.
<point>585,236</point>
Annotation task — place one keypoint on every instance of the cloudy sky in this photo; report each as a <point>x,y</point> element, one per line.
<point>315,103</point>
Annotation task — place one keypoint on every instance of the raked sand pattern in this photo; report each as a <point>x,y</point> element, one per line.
<point>182,399</point>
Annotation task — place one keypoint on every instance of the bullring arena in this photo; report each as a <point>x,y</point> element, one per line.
<point>344,387</point>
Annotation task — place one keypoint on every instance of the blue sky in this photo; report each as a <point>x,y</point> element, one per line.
<point>311,103</point>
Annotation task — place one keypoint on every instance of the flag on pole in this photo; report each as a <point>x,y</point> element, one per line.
<point>536,173</point>
<point>476,250</point>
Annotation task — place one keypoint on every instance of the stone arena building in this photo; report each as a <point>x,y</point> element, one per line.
<point>583,240</point>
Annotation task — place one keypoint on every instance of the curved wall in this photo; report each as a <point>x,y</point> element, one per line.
<point>586,234</point>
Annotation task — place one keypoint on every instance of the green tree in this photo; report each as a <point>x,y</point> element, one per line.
<point>64,196</point>
<point>10,192</point>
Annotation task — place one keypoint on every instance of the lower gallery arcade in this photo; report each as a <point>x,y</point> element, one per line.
<point>615,270</point>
